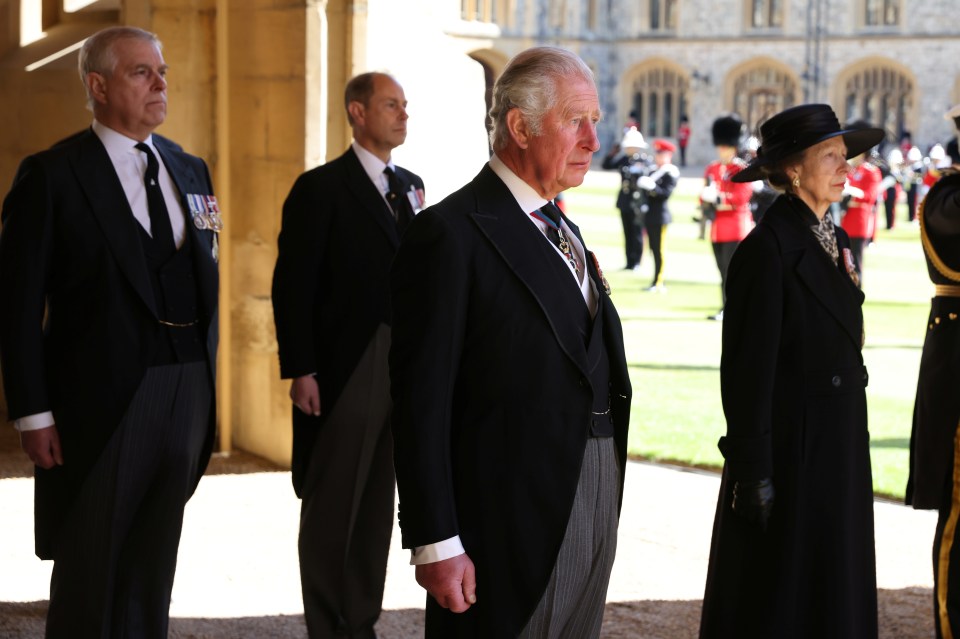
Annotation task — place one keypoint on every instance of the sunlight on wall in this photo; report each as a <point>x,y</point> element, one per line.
<point>31,21</point>
<point>54,56</point>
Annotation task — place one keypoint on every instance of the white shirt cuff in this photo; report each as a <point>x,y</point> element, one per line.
<point>439,551</point>
<point>34,422</point>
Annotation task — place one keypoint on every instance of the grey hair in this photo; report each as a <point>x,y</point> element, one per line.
<point>529,83</point>
<point>97,55</point>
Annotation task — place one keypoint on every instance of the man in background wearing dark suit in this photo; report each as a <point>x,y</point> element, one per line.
<point>509,378</point>
<point>341,227</point>
<point>108,339</point>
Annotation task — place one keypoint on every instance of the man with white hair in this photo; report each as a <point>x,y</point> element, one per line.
<point>509,379</point>
<point>108,340</point>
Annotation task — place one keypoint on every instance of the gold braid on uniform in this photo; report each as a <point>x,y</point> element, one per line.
<point>938,263</point>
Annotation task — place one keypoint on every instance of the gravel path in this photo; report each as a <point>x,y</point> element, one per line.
<point>237,575</point>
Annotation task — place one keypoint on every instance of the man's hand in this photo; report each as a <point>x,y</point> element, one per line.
<point>305,393</point>
<point>452,582</point>
<point>42,446</point>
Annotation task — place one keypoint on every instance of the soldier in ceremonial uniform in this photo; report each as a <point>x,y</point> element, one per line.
<point>730,200</point>
<point>934,481</point>
<point>860,200</point>
<point>631,159</point>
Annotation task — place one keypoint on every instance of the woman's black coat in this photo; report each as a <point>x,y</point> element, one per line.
<point>792,381</point>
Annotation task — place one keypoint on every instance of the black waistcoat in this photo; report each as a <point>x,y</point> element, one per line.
<point>176,294</point>
<point>598,365</point>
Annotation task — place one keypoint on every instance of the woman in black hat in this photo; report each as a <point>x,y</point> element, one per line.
<point>793,545</point>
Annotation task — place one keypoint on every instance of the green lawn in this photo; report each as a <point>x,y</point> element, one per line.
<point>674,351</point>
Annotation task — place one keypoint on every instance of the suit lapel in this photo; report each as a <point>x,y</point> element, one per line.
<point>529,255</point>
<point>110,207</point>
<point>359,184</point>
<point>826,283</point>
<point>188,182</point>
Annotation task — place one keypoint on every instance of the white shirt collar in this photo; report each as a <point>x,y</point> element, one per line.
<point>117,143</point>
<point>528,199</point>
<point>372,165</point>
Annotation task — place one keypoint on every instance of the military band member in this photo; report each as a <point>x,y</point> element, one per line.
<point>631,159</point>
<point>657,188</point>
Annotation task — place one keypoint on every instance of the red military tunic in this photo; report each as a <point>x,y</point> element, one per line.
<point>859,220</point>
<point>734,219</point>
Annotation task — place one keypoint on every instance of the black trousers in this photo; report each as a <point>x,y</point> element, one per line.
<point>632,236</point>
<point>655,233</point>
<point>890,206</point>
<point>946,555</point>
<point>911,189</point>
<point>857,244</point>
<point>723,251</point>
<point>116,555</point>
<point>346,518</point>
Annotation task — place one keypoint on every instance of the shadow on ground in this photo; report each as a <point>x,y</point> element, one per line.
<point>904,614</point>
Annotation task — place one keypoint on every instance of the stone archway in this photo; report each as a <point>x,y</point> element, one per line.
<point>656,93</point>
<point>880,91</point>
<point>760,88</point>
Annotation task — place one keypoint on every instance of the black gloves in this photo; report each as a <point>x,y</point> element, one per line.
<point>753,500</point>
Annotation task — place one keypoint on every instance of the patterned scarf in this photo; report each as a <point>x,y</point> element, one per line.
<point>827,236</point>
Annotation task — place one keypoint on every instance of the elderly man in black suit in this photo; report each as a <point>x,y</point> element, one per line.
<point>341,227</point>
<point>108,340</point>
<point>509,380</point>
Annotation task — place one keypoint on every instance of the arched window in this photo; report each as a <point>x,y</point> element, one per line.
<point>659,99</point>
<point>882,96</point>
<point>762,91</point>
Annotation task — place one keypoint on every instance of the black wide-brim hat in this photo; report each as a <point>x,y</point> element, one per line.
<point>798,128</point>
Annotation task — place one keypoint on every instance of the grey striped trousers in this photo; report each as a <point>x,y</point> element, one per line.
<point>572,606</point>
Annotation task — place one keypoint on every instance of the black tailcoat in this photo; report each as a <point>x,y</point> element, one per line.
<point>71,247</point>
<point>491,397</point>
<point>331,281</point>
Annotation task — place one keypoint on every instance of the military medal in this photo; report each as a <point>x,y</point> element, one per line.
<point>415,196</point>
<point>214,222</point>
<point>850,266</point>
<point>197,210</point>
<point>596,263</point>
<point>205,212</point>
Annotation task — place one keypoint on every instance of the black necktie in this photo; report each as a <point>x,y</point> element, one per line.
<point>556,235</point>
<point>160,229</point>
<point>395,198</point>
<point>553,231</point>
